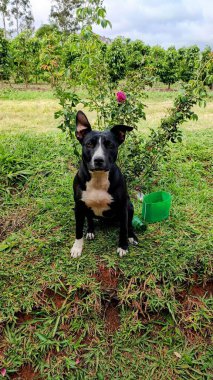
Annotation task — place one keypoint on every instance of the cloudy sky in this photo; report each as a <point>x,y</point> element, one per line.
<point>163,22</point>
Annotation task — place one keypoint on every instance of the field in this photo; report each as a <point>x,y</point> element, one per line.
<point>146,316</point>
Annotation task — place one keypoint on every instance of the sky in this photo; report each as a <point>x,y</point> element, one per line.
<point>156,22</point>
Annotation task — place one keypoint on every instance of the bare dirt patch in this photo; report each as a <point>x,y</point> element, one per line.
<point>111,316</point>
<point>196,291</point>
<point>88,340</point>
<point>26,372</point>
<point>189,306</point>
<point>22,87</point>
<point>23,317</point>
<point>49,295</point>
<point>195,338</point>
<point>53,353</point>
<point>202,290</point>
<point>14,221</point>
<point>107,277</point>
<point>192,304</point>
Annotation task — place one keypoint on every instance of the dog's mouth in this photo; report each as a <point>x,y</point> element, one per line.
<point>99,170</point>
<point>100,167</point>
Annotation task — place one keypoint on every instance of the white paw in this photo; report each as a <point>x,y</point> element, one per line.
<point>77,248</point>
<point>90,236</point>
<point>133,241</point>
<point>122,252</point>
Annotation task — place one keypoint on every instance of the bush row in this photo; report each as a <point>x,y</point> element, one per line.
<point>48,56</point>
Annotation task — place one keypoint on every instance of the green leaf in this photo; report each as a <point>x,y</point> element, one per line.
<point>42,337</point>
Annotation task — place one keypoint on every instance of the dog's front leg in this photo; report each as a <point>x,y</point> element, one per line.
<point>90,228</point>
<point>123,236</point>
<point>77,247</point>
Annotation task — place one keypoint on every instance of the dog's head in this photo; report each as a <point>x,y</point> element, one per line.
<point>99,149</point>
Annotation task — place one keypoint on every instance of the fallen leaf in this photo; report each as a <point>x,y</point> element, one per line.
<point>179,356</point>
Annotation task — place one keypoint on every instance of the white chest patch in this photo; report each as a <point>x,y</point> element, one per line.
<point>96,195</point>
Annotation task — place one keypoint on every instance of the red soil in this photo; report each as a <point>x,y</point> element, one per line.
<point>112,319</point>
<point>56,298</point>
<point>201,290</point>
<point>23,317</point>
<point>108,278</point>
<point>26,372</point>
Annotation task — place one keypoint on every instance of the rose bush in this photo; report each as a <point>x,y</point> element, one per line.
<point>98,93</point>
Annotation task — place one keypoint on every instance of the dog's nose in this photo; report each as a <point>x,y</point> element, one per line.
<point>98,161</point>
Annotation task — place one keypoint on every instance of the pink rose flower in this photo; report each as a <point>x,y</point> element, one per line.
<point>121,97</point>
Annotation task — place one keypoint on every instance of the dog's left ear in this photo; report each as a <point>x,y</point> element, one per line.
<point>82,126</point>
<point>120,132</point>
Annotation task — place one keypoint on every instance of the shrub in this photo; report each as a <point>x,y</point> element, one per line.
<point>4,57</point>
<point>140,158</point>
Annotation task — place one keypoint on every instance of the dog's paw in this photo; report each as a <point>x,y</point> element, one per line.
<point>133,241</point>
<point>90,236</point>
<point>77,247</point>
<point>122,252</point>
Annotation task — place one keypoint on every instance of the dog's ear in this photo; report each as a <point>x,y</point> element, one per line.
<point>82,126</point>
<point>120,132</point>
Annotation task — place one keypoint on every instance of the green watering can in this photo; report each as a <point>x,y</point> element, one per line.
<point>156,207</point>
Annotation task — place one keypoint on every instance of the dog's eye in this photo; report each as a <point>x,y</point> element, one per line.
<point>109,144</point>
<point>90,144</point>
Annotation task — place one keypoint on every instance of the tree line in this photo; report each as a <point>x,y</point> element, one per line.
<point>67,15</point>
<point>48,54</point>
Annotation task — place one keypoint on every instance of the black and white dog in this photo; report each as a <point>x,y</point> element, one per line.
<point>99,186</point>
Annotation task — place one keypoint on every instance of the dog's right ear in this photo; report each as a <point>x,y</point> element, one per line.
<point>82,126</point>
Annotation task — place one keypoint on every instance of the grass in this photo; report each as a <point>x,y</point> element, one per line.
<point>146,316</point>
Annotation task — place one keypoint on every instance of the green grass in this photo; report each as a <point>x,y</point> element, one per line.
<point>25,94</point>
<point>146,316</point>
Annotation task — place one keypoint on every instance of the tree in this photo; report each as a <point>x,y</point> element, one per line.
<point>92,12</point>
<point>137,53</point>
<point>155,60</point>
<point>73,15</point>
<point>5,13</point>
<point>63,14</point>
<point>21,15</point>
<point>45,30</point>
<point>4,57</point>
<point>35,47</point>
<point>207,60</point>
<point>188,62</point>
<point>51,57</point>
<point>117,59</point>
<point>168,72</point>
<point>22,50</point>
<point>72,53</point>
